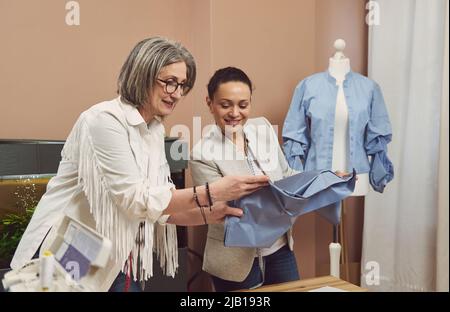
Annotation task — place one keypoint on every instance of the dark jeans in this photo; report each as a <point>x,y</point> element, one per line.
<point>119,284</point>
<point>279,267</point>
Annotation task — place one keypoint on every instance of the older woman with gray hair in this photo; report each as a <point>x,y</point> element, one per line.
<point>114,176</point>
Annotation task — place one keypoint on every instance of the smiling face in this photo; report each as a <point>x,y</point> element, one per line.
<point>230,105</point>
<point>160,102</point>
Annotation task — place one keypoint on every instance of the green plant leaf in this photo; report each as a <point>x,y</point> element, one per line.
<point>13,227</point>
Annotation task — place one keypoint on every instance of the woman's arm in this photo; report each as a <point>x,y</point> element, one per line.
<point>193,216</point>
<point>183,208</point>
<point>223,189</point>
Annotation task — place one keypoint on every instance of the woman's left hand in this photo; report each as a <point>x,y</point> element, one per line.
<point>219,211</point>
<point>234,187</point>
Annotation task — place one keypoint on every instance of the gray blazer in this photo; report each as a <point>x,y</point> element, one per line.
<point>216,156</point>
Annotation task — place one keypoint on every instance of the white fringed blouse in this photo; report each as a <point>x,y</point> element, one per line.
<point>113,176</point>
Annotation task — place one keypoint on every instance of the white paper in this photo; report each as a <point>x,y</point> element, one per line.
<point>84,241</point>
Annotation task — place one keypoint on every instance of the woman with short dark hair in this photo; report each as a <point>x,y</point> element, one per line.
<point>248,146</point>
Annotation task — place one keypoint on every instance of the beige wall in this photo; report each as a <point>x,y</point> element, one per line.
<point>273,41</point>
<point>50,72</point>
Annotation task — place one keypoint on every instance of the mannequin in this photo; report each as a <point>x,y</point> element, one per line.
<point>338,121</point>
<point>339,66</point>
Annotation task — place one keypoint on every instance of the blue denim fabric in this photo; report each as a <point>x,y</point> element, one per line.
<point>280,267</point>
<point>119,284</point>
<point>271,211</point>
<point>308,130</point>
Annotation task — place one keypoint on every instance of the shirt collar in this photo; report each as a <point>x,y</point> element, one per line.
<point>347,79</point>
<point>134,118</point>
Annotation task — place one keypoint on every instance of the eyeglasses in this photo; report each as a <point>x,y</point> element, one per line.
<point>171,86</point>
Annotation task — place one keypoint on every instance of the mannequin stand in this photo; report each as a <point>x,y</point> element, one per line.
<point>338,248</point>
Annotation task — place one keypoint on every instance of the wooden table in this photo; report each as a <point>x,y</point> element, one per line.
<point>309,284</point>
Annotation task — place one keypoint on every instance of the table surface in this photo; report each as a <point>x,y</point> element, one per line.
<point>309,284</point>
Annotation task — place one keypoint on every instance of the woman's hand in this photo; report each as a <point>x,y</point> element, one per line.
<point>219,211</point>
<point>234,187</point>
<point>343,174</point>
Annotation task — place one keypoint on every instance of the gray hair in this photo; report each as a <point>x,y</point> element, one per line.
<point>139,72</point>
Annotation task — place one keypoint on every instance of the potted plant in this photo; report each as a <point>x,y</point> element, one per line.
<point>19,197</point>
<point>12,228</point>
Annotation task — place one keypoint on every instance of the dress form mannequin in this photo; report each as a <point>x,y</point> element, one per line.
<point>339,66</point>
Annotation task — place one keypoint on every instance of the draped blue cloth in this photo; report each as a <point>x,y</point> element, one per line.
<point>272,210</point>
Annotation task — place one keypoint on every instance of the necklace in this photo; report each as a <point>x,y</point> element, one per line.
<point>251,159</point>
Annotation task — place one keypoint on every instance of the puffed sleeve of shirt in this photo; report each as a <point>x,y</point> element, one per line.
<point>296,138</point>
<point>378,135</point>
<point>110,176</point>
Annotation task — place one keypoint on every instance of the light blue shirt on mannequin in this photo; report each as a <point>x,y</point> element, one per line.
<point>308,130</point>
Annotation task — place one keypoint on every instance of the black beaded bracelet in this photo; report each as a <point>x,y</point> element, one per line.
<point>202,208</point>
<point>210,202</point>
<point>196,197</point>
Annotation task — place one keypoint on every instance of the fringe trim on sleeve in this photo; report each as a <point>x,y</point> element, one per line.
<point>166,248</point>
<point>114,224</point>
